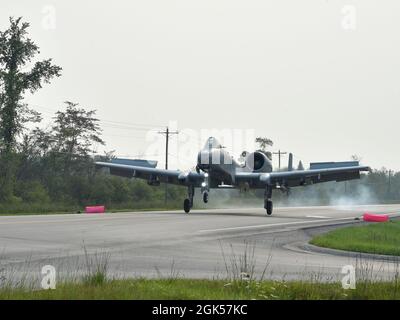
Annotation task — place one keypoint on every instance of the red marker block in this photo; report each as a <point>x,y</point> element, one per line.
<point>370,217</point>
<point>95,209</point>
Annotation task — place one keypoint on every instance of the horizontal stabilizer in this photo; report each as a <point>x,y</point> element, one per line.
<point>330,165</point>
<point>135,162</point>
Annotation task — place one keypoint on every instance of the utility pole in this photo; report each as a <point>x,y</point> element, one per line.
<point>167,133</point>
<point>279,153</point>
<point>389,185</point>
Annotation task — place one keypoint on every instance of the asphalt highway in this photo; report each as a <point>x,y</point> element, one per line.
<point>202,244</point>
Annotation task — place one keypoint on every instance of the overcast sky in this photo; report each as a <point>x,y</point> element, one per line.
<point>319,77</point>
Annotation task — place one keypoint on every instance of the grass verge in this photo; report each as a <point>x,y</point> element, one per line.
<point>205,289</point>
<point>378,238</point>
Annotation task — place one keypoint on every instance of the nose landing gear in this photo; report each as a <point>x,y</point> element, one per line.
<point>205,188</point>
<point>205,197</point>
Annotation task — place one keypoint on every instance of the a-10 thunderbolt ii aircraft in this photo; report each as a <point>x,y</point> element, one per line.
<point>217,169</point>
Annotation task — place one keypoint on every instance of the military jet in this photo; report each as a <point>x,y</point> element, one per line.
<point>217,169</point>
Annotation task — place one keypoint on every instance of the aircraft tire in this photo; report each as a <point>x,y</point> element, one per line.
<point>186,205</point>
<point>269,207</point>
<point>205,197</point>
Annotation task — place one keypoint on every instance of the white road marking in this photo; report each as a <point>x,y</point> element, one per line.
<point>274,225</point>
<point>319,217</point>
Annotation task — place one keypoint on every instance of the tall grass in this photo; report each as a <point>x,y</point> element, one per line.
<point>245,279</point>
<point>96,267</point>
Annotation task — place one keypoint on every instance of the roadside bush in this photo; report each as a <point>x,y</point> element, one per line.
<point>31,192</point>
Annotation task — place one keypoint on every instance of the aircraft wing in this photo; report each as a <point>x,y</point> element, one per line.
<point>301,177</point>
<point>154,175</point>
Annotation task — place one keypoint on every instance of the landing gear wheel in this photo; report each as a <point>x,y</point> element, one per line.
<point>268,207</point>
<point>205,197</point>
<point>186,205</point>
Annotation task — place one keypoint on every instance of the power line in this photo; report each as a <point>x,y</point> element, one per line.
<point>111,126</point>
<point>109,123</point>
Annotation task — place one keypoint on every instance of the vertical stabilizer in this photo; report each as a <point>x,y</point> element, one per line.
<point>290,165</point>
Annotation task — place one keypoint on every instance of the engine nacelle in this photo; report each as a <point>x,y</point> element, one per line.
<point>258,162</point>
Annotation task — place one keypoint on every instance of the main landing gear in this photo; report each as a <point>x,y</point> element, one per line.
<point>268,205</point>
<point>188,203</point>
<point>267,200</point>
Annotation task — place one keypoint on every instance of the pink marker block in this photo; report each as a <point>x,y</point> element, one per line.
<point>370,217</point>
<point>95,209</point>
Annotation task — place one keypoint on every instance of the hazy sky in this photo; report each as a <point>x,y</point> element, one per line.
<point>319,77</point>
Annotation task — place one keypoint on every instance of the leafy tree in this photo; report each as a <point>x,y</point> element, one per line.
<point>16,54</point>
<point>356,157</point>
<point>264,142</point>
<point>74,133</point>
